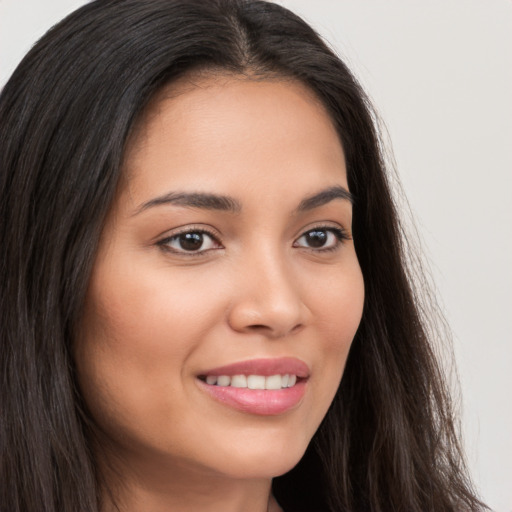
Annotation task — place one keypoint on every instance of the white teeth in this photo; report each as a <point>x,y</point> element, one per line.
<point>253,381</point>
<point>223,380</point>
<point>239,381</point>
<point>273,382</point>
<point>256,382</point>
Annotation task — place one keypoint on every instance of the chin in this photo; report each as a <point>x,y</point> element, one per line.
<point>263,459</point>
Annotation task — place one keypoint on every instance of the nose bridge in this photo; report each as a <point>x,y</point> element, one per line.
<point>267,298</point>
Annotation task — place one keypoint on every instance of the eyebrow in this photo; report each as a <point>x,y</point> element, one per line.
<point>195,200</point>
<point>323,197</point>
<point>207,201</point>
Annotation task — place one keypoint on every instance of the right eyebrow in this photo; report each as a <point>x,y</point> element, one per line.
<point>194,200</point>
<point>325,196</point>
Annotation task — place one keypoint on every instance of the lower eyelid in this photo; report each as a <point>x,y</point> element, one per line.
<point>339,233</point>
<point>165,242</point>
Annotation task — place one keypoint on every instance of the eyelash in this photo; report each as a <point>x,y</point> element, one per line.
<point>164,244</point>
<point>340,234</point>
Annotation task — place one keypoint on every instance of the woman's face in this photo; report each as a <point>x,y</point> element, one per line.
<point>226,261</point>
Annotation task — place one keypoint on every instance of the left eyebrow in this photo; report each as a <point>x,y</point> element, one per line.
<point>323,197</point>
<point>194,200</point>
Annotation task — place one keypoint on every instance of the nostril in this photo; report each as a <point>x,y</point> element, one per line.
<point>298,327</point>
<point>268,314</point>
<point>274,332</point>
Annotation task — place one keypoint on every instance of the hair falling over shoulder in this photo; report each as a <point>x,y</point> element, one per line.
<point>389,441</point>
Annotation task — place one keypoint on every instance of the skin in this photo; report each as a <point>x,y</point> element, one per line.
<point>156,316</point>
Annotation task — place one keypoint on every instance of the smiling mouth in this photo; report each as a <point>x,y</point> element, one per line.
<point>234,392</point>
<point>270,382</point>
<point>266,386</point>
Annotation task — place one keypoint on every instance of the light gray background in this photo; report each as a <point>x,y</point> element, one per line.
<point>440,73</point>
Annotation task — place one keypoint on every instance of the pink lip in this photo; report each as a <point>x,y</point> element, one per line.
<point>266,367</point>
<point>259,401</point>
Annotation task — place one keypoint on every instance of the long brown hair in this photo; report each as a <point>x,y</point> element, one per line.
<point>388,442</point>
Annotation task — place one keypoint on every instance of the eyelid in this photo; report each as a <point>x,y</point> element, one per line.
<point>164,242</point>
<point>337,230</point>
<point>326,225</point>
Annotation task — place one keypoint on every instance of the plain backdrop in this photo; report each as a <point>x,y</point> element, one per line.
<point>440,74</point>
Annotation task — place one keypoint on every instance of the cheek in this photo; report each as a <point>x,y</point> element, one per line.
<point>139,329</point>
<point>121,345</point>
<point>338,314</point>
<point>338,304</point>
<point>145,314</point>
<point>344,312</point>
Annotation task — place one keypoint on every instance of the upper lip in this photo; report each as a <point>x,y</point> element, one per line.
<point>265,367</point>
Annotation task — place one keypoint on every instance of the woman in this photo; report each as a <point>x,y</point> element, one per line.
<point>199,243</point>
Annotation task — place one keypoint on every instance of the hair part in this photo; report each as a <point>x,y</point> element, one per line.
<point>388,441</point>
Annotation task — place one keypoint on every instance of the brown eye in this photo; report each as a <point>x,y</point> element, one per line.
<point>316,238</point>
<point>190,242</point>
<point>321,238</point>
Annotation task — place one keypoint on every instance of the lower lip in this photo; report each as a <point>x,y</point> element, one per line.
<point>265,402</point>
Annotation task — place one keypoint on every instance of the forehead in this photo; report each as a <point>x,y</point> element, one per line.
<point>195,92</point>
<point>200,131</point>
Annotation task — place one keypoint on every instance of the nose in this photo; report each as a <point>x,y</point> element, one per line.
<point>267,299</point>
